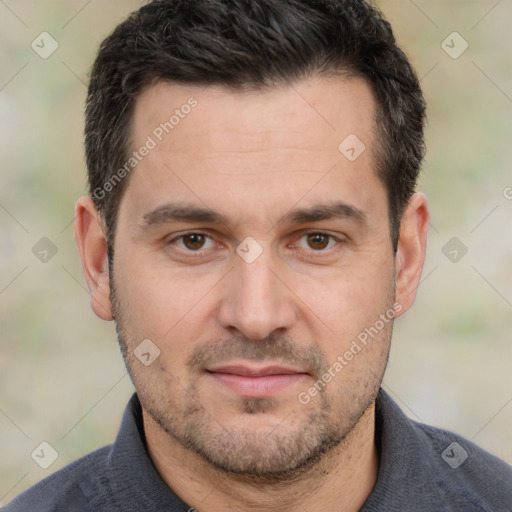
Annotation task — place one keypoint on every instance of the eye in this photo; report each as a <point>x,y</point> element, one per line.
<point>194,242</point>
<point>316,241</point>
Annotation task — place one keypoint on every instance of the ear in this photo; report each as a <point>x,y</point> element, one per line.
<point>92,245</point>
<point>412,246</point>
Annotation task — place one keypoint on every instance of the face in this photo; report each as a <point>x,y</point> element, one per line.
<point>256,257</point>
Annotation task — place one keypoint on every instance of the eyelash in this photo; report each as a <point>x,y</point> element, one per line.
<point>181,237</point>
<point>304,235</point>
<point>331,238</point>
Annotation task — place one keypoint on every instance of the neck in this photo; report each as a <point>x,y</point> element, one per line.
<point>341,480</point>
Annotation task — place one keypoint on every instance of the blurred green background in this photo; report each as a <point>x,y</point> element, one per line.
<point>62,379</point>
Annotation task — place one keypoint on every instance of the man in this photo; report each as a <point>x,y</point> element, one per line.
<point>253,229</point>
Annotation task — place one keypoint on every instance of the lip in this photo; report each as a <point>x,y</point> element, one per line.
<point>251,382</point>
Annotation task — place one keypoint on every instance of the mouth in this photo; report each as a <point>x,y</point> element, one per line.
<point>253,382</point>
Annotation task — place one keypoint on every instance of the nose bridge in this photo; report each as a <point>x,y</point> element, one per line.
<point>256,283</point>
<point>256,303</point>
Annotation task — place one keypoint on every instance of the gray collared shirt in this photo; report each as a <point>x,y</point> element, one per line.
<point>422,469</point>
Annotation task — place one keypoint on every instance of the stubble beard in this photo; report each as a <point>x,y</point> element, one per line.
<point>286,452</point>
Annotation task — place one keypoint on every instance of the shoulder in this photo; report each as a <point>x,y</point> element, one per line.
<point>79,487</point>
<point>433,468</point>
<point>464,472</point>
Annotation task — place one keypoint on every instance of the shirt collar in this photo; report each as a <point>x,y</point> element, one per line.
<point>135,482</point>
<point>405,475</point>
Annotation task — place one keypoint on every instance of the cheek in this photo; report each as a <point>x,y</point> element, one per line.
<point>347,302</point>
<point>162,304</point>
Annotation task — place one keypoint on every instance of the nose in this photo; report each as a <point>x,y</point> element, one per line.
<point>255,301</point>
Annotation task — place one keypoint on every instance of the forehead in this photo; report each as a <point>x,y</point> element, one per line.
<point>216,145</point>
<point>317,106</point>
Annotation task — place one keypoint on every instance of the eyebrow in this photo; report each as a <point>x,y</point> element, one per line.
<point>175,213</point>
<point>169,213</point>
<point>339,210</point>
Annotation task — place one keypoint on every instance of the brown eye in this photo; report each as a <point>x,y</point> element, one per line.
<point>318,241</point>
<point>194,241</point>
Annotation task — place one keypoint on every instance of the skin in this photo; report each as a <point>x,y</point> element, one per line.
<point>255,158</point>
